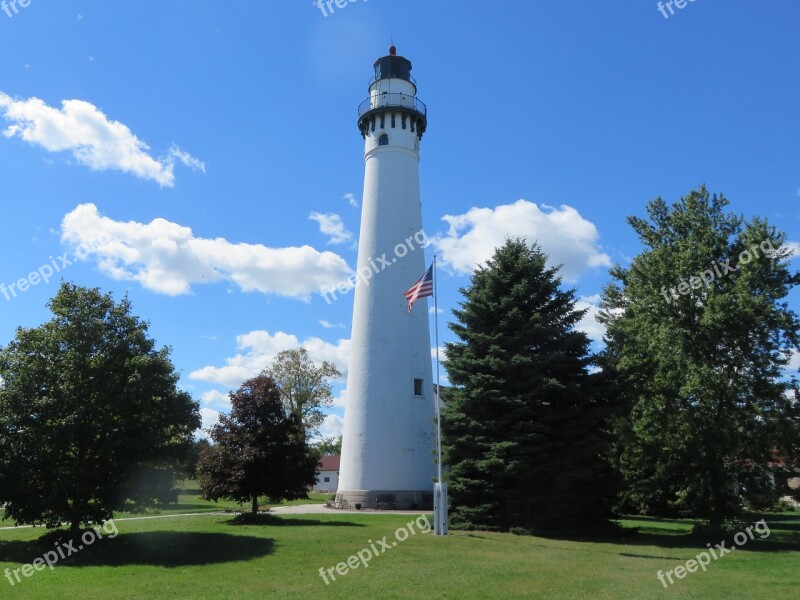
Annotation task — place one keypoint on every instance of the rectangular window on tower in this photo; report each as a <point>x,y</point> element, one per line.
<point>418,387</point>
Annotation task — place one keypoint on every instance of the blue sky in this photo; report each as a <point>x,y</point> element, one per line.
<point>205,158</point>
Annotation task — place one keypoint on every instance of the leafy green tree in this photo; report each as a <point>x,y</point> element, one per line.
<point>304,386</point>
<point>189,467</point>
<point>330,446</point>
<point>522,424</point>
<point>259,449</point>
<point>90,414</point>
<point>698,336</point>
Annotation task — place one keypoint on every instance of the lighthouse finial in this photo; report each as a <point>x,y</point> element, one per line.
<point>392,49</point>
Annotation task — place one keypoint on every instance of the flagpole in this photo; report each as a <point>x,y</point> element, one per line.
<point>438,386</point>
<point>440,489</point>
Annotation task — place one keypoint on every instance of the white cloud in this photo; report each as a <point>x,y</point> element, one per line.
<point>562,233</point>
<point>794,361</point>
<point>588,324</point>
<point>340,400</point>
<point>258,351</point>
<point>82,129</point>
<point>330,224</point>
<point>351,199</point>
<point>167,258</point>
<point>442,353</point>
<point>795,248</point>
<point>209,417</point>
<point>186,159</point>
<point>332,425</point>
<point>329,325</point>
<point>215,397</point>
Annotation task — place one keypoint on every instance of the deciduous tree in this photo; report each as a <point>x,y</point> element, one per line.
<point>90,414</point>
<point>699,335</point>
<point>259,449</point>
<point>304,386</point>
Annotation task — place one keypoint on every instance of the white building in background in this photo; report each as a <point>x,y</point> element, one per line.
<point>328,478</point>
<point>389,433</point>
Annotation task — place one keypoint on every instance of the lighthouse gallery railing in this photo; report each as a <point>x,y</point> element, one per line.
<point>387,100</point>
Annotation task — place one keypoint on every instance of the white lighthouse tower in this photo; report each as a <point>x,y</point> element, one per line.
<point>388,444</point>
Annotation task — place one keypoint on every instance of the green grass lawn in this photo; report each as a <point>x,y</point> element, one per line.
<point>209,557</point>
<point>190,501</point>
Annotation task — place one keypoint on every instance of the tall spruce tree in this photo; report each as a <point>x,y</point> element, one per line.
<point>522,423</point>
<point>698,336</point>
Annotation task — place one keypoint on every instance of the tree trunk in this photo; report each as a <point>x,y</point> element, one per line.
<point>255,505</point>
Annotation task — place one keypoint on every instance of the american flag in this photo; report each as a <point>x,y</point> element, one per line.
<point>422,288</point>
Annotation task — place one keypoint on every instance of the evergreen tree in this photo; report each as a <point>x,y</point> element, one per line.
<point>698,336</point>
<point>522,423</point>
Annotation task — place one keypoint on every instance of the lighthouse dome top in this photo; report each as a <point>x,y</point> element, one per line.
<point>393,67</point>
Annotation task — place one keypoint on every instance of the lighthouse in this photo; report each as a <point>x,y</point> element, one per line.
<point>389,440</point>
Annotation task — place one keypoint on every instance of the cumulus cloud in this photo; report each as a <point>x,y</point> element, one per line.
<point>167,258</point>
<point>795,248</point>
<point>329,325</point>
<point>258,350</point>
<point>216,398</point>
<point>794,361</point>
<point>351,199</point>
<point>330,224</point>
<point>563,233</point>
<point>209,417</point>
<point>81,129</point>
<point>588,324</point>
<point>340,399</point>
<point>332,425</point>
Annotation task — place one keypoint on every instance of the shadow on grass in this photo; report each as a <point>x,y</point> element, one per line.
<point>277,521</point>
<point>779,521</point>
<point>158,549</point>
<point>783,535</point>
<point>628,555</point>
<point>168,509</point>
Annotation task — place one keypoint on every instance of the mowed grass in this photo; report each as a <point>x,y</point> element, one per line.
<point>190,501</point>
<point>210,557</point>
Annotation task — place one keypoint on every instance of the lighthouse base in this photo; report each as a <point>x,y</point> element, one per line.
<point>389,499</point>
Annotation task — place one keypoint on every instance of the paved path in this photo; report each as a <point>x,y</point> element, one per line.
<point>319,509</point>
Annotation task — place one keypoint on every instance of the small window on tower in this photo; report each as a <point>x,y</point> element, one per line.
<point>418,387</point>
<point>383,140</point>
